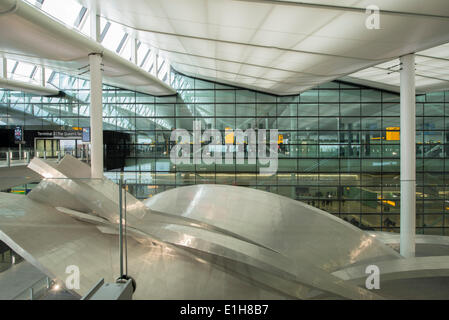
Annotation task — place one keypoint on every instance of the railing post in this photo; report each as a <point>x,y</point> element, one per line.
<point>45,155</point>
<point>120,186</point>
<point>31,294</point>
<point>8,159</point>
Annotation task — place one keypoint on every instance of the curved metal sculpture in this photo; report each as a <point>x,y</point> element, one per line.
<point>193,242</point>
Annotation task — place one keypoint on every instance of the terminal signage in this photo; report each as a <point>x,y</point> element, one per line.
<point>393,134</point>
<point>59,134</point>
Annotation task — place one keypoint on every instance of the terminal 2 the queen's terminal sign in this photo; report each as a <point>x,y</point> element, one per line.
<point>60,134</point>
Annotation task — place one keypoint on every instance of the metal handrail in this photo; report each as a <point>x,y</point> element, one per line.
<point>32,290</point>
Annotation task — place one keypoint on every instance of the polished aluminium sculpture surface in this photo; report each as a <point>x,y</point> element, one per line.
<point>198,242</point>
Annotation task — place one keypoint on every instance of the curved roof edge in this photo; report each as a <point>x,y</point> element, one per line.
<point>27,87</point>
<point>32,36</point>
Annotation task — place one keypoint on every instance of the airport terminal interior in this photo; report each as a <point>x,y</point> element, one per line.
<point>103,179</point>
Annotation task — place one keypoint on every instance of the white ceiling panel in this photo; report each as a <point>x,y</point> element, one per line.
<point>432,74</point>
<point>279,46</point>
<point>241,15</point>
<point>405,6</point>
<point>323,39</point>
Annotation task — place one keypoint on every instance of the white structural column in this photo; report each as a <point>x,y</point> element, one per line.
<point>156,64</point>
<point>95,28</point>
<point>134,50</point>
<point>96,116</point>
<point>43,76</point>
<point>408,157</point>
<point>4,68</point>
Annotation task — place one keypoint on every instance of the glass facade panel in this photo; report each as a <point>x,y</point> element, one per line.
<point>338,144</point>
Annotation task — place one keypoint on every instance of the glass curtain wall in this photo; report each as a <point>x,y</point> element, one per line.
<point>338,143</point>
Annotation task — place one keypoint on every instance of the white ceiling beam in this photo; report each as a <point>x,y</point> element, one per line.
<point>27,87</point>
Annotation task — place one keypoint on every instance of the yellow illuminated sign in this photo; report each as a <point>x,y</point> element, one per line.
<point>392,134</point>
<point>391,203</point>
<point>280,138</point>
<point>229,136</point>
<point>18,191</point>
